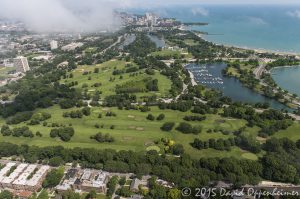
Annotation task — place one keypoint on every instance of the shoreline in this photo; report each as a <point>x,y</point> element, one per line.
<point>193,80</point>
<point>257,50</point>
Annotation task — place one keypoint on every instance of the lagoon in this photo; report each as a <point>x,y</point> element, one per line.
<point>211,76</point>
<point>288,78</point>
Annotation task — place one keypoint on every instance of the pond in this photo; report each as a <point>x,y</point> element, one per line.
<point>211,76</point>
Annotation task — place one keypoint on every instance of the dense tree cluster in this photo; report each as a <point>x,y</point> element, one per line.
<point>270,121</point>
<point>279,164</point>
<point>37,118</point>
<point>246,143</point>
<point>194,118</point>
<point>291,61</point>
<point>99,137</point>
<point>53,178</point>
<point>141,47</point>
<point>64,133</point>
<point>78,113</point>
<point>19,117</point>
<point>187,128</point>
<point>17,131</point>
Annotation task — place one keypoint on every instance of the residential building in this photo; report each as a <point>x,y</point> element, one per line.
<point>21,64</point>
<point>6,182</point>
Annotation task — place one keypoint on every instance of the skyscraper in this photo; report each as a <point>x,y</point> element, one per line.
<point>21,64</point>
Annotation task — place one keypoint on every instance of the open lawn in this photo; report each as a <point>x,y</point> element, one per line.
<point>4,72</point>
<point>132,131</point>
<point>292,132</point>
<point>109,82</point>
<point>191,42</point>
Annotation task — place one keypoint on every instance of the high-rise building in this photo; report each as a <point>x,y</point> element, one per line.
<point>21,64</point>
<point>53,45</point>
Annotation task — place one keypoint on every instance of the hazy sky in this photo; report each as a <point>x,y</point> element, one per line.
<point>166,2</point>
<point>91,15</point>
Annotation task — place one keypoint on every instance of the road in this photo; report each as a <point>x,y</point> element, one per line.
<point>260,69</point>
<point>109,47</point>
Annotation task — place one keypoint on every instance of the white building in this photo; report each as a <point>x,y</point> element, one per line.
<point>72,46</point>
<point>7,180</point>
<point>21,64</point>
<point>53,45</point>
<point>5,170</point>
<point>20,182</point>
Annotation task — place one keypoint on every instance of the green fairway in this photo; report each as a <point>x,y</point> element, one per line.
<point>293,132</point>
<point>109,82</point>
<point>132,130</point>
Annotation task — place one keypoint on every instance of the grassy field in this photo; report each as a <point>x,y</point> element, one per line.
<point>108,85</point>
<point>191,42</point>
<point>292,132</point>
<point>132,131</point>
<point>4,72</point>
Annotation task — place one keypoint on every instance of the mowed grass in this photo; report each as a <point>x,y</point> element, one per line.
<point>132,131</point>
<point>191,42</point>
<point>108,86</point>
<point>292,133</point>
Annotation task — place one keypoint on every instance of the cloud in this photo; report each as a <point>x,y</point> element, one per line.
<point>294,14</point>
<point>257,21</point>
<point>200,11</point>
<point>63,15</point>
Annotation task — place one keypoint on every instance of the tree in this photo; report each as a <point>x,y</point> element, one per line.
<point>122,181</point>
<point>150,117</point>
<point>161,117</point>
<point>6,195</point>
<point>53,178</point>
<point>111,185</point>
<point>174,194</point>
<point>70,195</point>
<point>168,126</point>
<point>56,161</point>
<point>91,195</point>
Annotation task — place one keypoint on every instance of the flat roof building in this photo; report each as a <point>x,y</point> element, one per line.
<point>5,170</point>
<point>20,182</point>
<point>7,181</point>
<point>21,64</point>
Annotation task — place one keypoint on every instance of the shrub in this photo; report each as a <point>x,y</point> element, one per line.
<point>168,126</point>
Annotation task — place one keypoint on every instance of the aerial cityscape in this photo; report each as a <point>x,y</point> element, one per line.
<point>156,100</point>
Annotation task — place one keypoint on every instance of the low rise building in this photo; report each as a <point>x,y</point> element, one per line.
<point>7,181</point>
<point>84,180</point>
<point>72,46</point>
<point>4,171</point>
<point>37,179</point>
<point>20,182</point>
<point>23,177</point>
<point>21,64</point>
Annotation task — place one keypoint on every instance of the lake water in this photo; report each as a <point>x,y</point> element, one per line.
<point>262,26</point>
<point>211,76</point>
<point>287,78</point>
